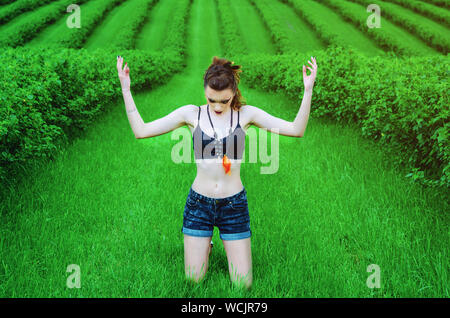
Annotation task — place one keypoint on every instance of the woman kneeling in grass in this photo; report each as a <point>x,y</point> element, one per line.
<point>217,196</point>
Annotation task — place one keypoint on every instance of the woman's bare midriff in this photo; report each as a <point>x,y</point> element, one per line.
<point>211,179</point>
<point>213,182</point>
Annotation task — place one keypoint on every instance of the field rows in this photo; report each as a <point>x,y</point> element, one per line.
<point>431,32</point>
<point>289,32</point>
<point>390,36</point>
<point>283,26</point>
<point>439,15</point>
<point>9,12</point>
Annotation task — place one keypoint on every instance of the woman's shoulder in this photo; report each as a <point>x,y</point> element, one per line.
<point>195,108</point>
<point>245,109</point>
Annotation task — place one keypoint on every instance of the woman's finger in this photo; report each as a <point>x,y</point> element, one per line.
<point>118,63</point>
<point>310,69</point>
<point>310,63</point>
<point>124,67</point>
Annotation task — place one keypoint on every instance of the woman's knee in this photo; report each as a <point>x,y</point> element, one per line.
<point>195,274</point>
<point>196,257</point>
<point>240,280</point>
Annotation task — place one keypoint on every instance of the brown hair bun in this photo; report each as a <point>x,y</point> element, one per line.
<point>222,74</point>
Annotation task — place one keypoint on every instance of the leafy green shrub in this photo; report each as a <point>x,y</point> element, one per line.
<point>126,36</point>
<point>357,17</point>
<point>401,102</point>
<point>430,11</point>
<point>27,29</point>
<point>279,36</point>
<point>175,41</point>
<point>435,37</point>
<point>18,7</point>
<point>50,93</point>
<point>230,34</point>
<point>91,18</point>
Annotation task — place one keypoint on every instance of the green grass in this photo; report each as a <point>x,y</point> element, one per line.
<point>401,38</point>
<point>439,15</point>
<point>154,32</point>
<point>56,32</point>
<point>431,32</point>
<point>281,19</point>
<point>60,35</point>
<point>411,15</point>
<point>23,18</point>
<point>13,10</point>
<point>107,34</point>
<point>331,26</point>
<point>114,205</point>
<point>50,35</point>
<point>252,30</point>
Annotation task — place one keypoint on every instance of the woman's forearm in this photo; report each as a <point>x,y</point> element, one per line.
<point>134,118</point>
<point>303,114</point>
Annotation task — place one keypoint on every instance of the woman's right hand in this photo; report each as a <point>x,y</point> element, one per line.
<point>124,74</point>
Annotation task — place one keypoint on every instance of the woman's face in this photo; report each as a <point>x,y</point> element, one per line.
<point>219,101</point>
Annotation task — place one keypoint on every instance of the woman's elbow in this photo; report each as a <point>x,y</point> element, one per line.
<point>138,135</point>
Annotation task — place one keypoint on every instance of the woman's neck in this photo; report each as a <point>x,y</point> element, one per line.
<point>224,115</point>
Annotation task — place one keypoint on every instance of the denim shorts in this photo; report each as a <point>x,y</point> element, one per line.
<point>230,215</point>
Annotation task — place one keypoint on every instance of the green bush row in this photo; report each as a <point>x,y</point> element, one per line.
<point>175,40</point>
<point>6,1</point>
<point>435,38</point>
<point>51,93</point>
<point>437,14</point>
<point>98,9</point>
<point>18,7</point>
<point>439,3</point>
<point>358,18</point>
<point>401,102</point>
<point>273,23</point>
<point>230,33</point>
<point>324,30</point>
<point>27,29</point>
<point>126,37</point>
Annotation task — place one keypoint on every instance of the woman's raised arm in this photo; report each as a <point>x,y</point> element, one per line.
<point>134,118</point>
<point>157,127</point>
<point>175,119</point>
<point>296,128</point>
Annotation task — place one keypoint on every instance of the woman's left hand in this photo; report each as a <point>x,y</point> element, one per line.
<point>308,81</point>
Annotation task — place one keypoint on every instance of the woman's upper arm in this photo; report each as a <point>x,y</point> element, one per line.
<point>262,119</point>
<point>174,120</point>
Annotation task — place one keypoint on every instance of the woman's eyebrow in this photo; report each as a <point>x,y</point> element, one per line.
<point>224,100</point>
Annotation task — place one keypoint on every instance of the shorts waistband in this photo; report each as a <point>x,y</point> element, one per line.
<point>200,196</point>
